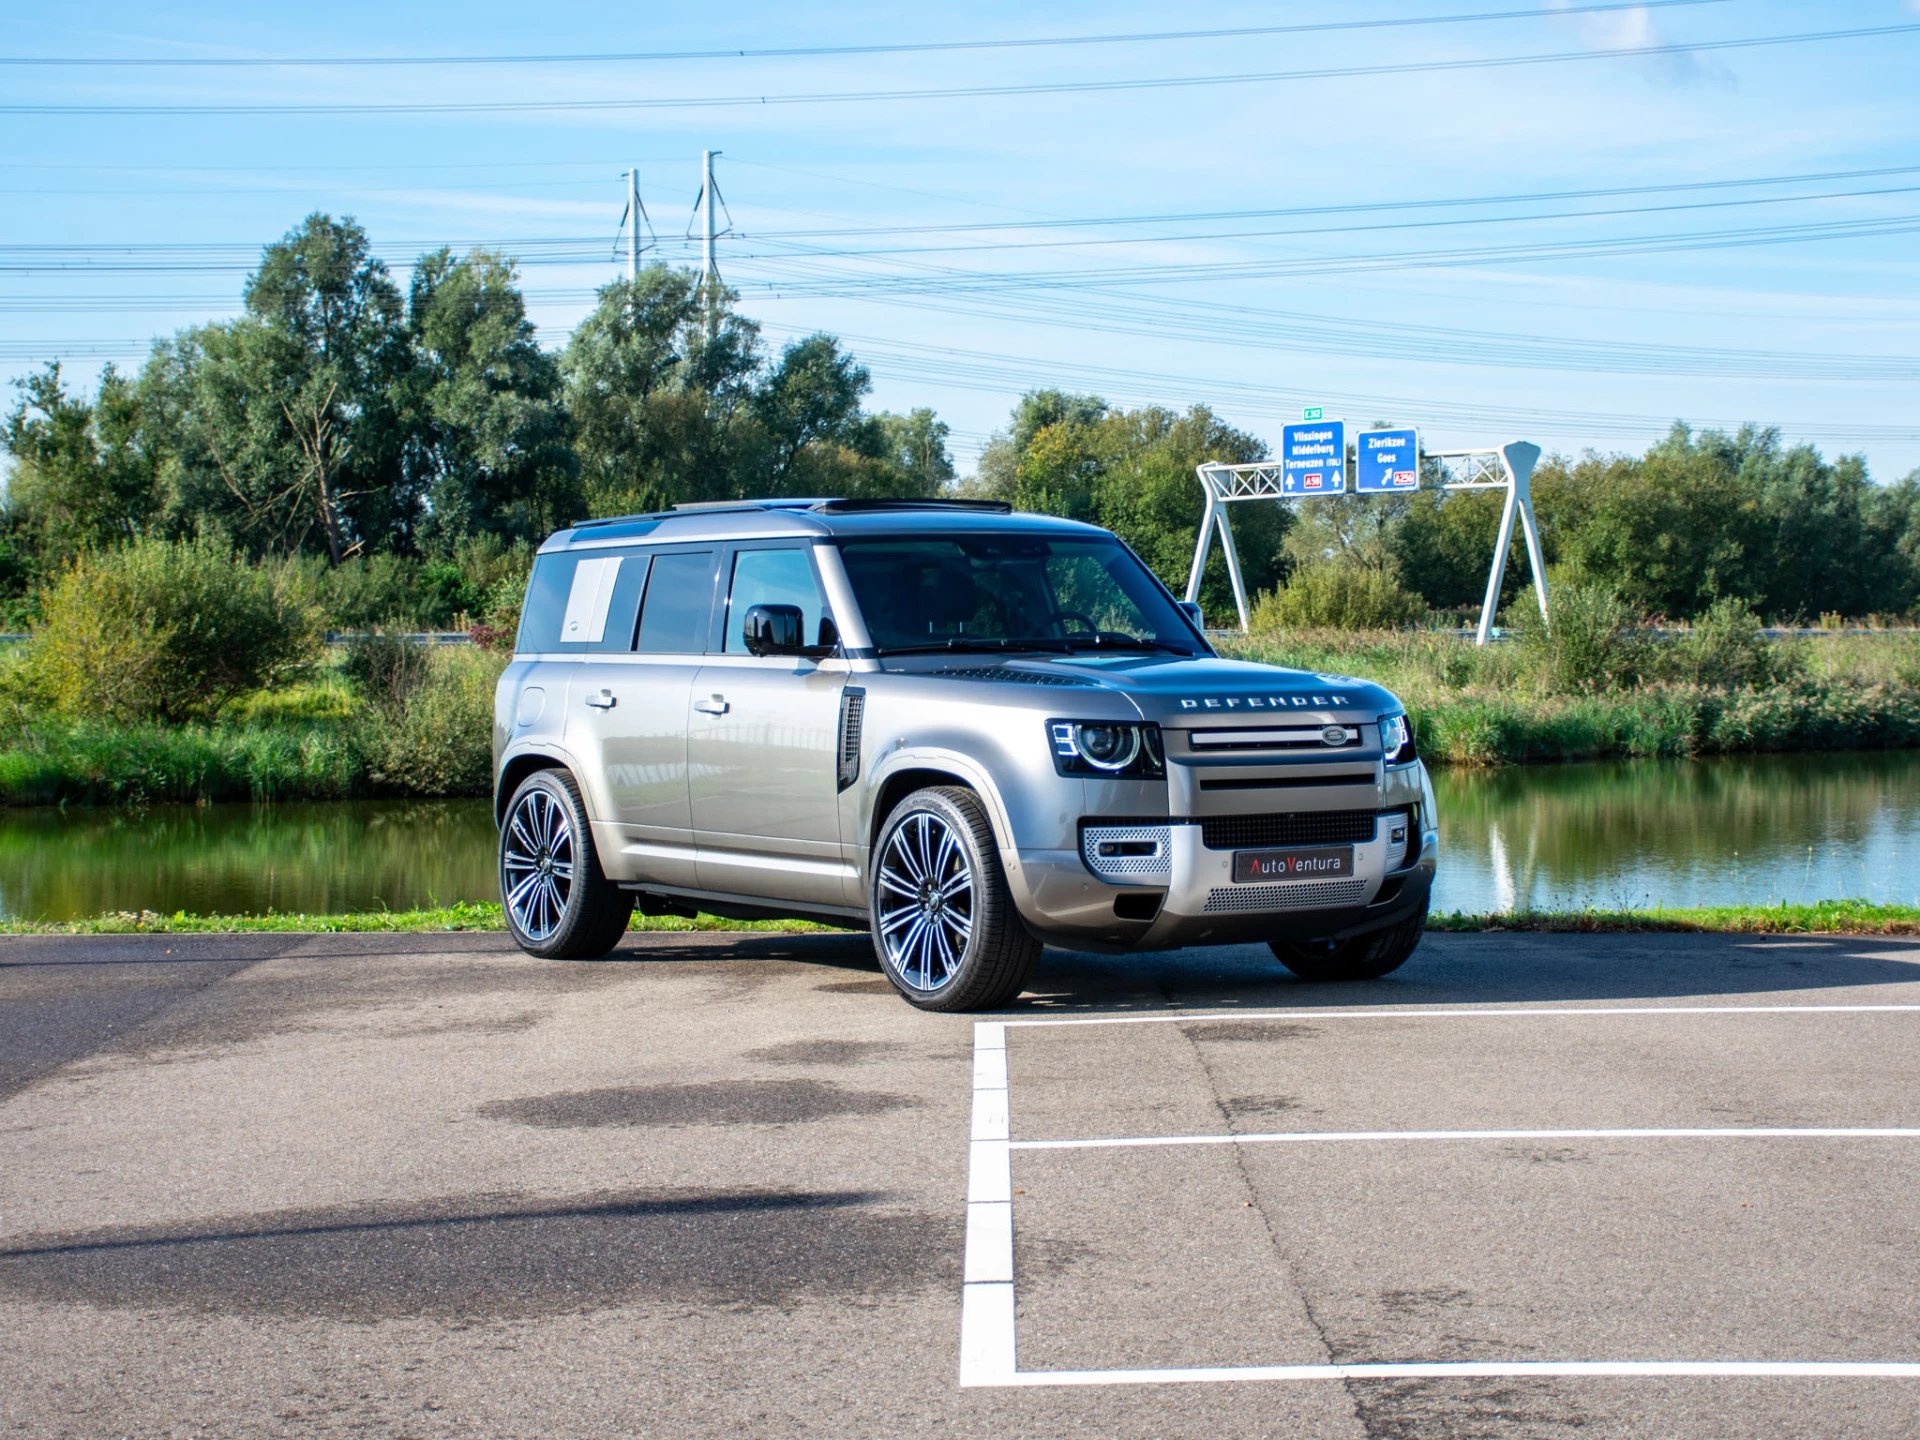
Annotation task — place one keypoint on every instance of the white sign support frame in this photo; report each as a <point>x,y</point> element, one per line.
<point>1507,467</point>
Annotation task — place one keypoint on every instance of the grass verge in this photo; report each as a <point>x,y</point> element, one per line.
<point>473,917</point>
<point>1825,917</point>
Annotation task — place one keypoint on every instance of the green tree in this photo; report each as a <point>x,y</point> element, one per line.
<point>78,478</point>
<point>661,403</point>
<point>485,427</point>
<point>1133,472</point>
<point>293,410</point>
<point>809,399</point>
<point>914,445</point>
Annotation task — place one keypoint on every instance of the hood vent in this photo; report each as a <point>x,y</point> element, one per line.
<point>1017,677</point>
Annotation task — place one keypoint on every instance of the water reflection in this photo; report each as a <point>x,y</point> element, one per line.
<point>1677,833</point>
<point>225,859</point>
<point>1608,836</point>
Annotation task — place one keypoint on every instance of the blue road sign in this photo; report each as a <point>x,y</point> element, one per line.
<point>1388,461</point>
<point>1313,458</point>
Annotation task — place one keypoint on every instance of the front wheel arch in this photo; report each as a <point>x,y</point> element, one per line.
<point>911,770</point>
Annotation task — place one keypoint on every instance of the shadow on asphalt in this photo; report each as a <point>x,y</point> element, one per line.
<point>1482,970</point>
<point>1447,969</point>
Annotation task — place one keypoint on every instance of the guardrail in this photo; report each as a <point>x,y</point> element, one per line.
<point>343,637</point>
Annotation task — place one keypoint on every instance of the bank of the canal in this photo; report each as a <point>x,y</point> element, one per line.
<point>1573,838</point>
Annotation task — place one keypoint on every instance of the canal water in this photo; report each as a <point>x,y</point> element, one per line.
<point>1538,837</point>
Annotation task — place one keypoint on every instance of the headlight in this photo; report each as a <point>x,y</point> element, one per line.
<point>1396,739</point>
<point>1123,749</point>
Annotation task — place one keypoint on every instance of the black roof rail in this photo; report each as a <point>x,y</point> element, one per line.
<point>722,506</point>
<point>842,506</point>
<point>855,507</point>
<point>695,507</point>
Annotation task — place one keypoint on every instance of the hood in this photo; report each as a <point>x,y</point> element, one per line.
<point>1201,692</point>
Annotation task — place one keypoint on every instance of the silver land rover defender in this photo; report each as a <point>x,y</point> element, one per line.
<point>967,730</point>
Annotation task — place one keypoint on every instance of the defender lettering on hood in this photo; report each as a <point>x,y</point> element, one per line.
<point>1265,702</point>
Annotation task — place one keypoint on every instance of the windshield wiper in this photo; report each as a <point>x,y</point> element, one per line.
<point>1113,640</point>
<point>964,643</point>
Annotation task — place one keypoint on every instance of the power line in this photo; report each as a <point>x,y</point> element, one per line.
<point>1081,87</point>
<point>1360,207</point>
<point>804,51</point>
<point>998,372</point>
<point>1001,245</point>
<point>966,282</point>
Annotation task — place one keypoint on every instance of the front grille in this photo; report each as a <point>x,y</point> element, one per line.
<point>1314,895</point>
<point>1315,827</point>
<point>1309,740</point>
<point>1293,782</point>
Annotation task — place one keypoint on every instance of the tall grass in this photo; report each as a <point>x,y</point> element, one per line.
<point>1500,705</point>
<point>320,740</point>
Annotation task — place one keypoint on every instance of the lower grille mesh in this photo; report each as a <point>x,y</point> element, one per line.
<point>1317,895</point>
<point>1324,827</point>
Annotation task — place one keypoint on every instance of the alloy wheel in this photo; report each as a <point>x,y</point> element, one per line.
<point>537,861</point>
<point>926,900</point>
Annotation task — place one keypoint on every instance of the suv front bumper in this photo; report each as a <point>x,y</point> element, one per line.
<point>1064,902</point>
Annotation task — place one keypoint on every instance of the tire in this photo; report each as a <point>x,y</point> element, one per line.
<point>558,903</point>
<point>944,923</point>
<point>1358,957</point>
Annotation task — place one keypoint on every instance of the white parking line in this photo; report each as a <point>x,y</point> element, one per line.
<point>1472,1370</point>
<point>987,1313</point>
<point>986,1292</point>
<point>1489,1013</point>
<point>1297,1137</point>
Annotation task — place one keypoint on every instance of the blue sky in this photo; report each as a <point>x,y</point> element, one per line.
<point>1313,271</point>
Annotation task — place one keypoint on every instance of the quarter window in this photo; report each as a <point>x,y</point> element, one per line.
<point>582,601</point>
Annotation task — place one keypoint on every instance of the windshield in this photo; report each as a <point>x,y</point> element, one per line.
<point>1012,592</point>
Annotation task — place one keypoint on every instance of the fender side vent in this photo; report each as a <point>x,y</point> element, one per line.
<point>853,708</point>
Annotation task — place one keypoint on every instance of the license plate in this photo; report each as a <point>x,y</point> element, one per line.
<point>1328,862</point>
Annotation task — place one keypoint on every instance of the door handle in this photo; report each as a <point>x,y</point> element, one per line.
<point>601,700</point>
<point>717,705</point>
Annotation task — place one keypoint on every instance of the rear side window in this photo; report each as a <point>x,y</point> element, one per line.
<point>582,601</point>
<point>679,604</point>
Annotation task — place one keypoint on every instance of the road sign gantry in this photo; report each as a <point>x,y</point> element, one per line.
<point>1382,468</point>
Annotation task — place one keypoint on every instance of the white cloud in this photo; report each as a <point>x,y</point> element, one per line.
<point>1636,28</point>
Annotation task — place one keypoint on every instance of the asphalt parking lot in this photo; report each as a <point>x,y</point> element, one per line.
<point>725,1185</point>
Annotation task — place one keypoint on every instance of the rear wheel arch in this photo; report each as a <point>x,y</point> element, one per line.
<point>514,774</point>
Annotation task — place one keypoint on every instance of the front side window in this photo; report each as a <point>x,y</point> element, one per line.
<point>776,577</point>
<point>1012,592</point>
<point>678,605</point>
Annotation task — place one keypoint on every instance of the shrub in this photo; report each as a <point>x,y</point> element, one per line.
<point>386,669</point>
<point>1337,595</point>
<point>1727,650</point>
<point>439,739</point>
<point>499,623</point>
<point>1594,642</point>
<point>164,630</point>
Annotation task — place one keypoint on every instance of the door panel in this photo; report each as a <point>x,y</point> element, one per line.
<point>627,720</point>
<point>763,782</point>
<point>763,745</point>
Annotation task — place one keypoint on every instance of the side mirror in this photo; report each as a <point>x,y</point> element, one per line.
<point>775,630</point>
<point>1195,614</point>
